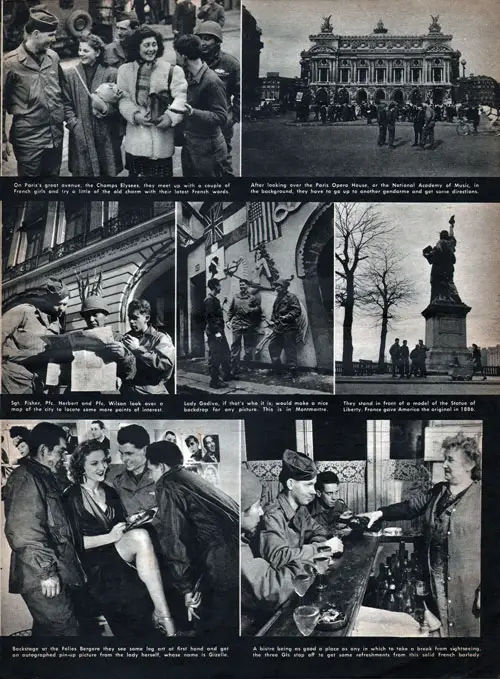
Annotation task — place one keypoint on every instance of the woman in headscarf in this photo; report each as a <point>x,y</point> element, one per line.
<point>153,102</point>
<point>452,520</point>
<point>24,351</point>
<point>115,559</point>
<point>94,148</point>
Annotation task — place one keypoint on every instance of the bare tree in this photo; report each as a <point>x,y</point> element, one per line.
<point>385,287</point>
<point>359,228</point>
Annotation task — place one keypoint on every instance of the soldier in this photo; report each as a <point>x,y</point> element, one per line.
<point>289,532</point>
<point>184,19</point>
<point>45,567</point>
<point>227,68</point>
<point>421,356</point>
<point>218,348</point>
<point>327,506</point>
<point>244,315</point>
<point>262,586</point>
<point>284,322</point>
<point>394,353</point>
<point>33,94</point>
<point>382,124</point>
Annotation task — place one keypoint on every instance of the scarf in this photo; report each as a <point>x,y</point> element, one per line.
<point>143,83</point>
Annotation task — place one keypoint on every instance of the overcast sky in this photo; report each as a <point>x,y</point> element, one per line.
<point>287,24</point>
<point>477,273</point>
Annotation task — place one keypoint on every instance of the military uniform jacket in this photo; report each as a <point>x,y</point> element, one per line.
<point>155,360</point>
<point>227,68</point>
<point>262,585</point>
<point>136,493</point>
<point>286,313</point>
<point>245,312</point>
<point>289,535</point>
<point>38,529</point>
<point>32,93</point>
<point>213,316</point>
<point>327,516</point>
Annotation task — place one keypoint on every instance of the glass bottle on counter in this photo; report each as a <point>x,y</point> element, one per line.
<point>390,601</point>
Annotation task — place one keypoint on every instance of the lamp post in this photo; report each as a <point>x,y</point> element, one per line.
<point>464,63</point>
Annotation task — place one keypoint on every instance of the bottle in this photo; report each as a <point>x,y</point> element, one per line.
<point>390,602</point>
<point>371,591</point>
<point>382,585</point>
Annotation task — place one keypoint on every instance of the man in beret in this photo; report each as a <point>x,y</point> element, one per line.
<point>285,318</point>
<point>289,532</point>
<point>262,586</point>
<point>32,93</point>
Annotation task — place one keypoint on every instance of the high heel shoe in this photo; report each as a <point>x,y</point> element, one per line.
<point>164,624</point>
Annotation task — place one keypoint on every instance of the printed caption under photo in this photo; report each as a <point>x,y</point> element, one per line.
<point>259,406</point>
<point>391,406</point>
<point>311,652</point>
<point>86,407</point>
<point>178,651</point>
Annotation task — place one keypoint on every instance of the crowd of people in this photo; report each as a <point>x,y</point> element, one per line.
<point>124,104</point>
<point>283,540</point>
<point>149,544</point>
<point>144,356</point>
<point>406,363</point>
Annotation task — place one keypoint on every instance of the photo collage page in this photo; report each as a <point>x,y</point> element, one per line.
<point>250,324</point>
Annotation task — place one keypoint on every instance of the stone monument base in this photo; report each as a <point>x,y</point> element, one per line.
<point>446,335</point>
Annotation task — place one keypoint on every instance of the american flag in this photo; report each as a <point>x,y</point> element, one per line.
<point>261,225</point>
<point>213,230</point>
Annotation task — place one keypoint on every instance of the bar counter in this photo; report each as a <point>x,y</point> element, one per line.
<point>345,581</point>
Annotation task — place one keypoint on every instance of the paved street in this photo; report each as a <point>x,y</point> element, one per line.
<point>231,45</point>
<point>281,147</point>
<point>433,386</point>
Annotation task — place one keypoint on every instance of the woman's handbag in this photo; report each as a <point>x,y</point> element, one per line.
<point>159,104</point>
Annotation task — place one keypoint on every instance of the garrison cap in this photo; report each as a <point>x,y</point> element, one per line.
<point>298,466</point>
<point>251,489</point>
<point>43,21</point>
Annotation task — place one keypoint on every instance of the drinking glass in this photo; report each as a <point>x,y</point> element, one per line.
<point>302,581</point>
<point>306,619</point>
<point>321,563</point>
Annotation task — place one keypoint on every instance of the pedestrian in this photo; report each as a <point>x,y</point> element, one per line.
<point>153,103</point>
<point>114,53</point>
<point>429,124</point>
<point>94,148</point>
<point>382,124</point>
<point>204,153</point>
<point>44,569</point>
<point>212,11</point>
<point>422,354</point>
<point>198,531</point>
<point>418,125</point>
<point>227,68</point>
<point>391,123</point>
<point>404,360</point>
<point>415,365</point>
<point>218,348</point>
<point>245,314</point>
<point>285,318</point>
<point>154,352</point>
<point>24,351</point>
<point>33,95</point>
<point>477,363</point>
<point>474,117</point>
<point>394,352</point>
<point>184,19</point>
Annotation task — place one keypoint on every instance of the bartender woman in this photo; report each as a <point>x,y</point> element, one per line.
<point>452,511</point>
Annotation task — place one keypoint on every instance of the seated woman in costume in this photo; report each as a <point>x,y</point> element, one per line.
<point>116,560</point>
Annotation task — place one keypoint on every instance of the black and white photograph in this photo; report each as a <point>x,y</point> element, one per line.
<point>88,296</point>
<point>119,539</point>
<point>366,528</point>
<point>255,298</point>
<point>105,89</point>
<point>417,304</point>
<point>342,88</point>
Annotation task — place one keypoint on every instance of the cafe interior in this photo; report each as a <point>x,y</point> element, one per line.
<point>378,586</point>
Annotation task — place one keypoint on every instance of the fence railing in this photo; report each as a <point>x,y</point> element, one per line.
<point>361,368</point>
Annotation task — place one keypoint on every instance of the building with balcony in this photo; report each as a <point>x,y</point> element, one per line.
<point>129,246</point>
<point>381,66</point>
<point>478,89</point>
<point>279,88</point>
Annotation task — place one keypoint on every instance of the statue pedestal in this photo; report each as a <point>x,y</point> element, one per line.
<point>445,334</point>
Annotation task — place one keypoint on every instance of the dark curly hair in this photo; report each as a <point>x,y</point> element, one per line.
<point>469,447</point>
<point>80,454</point>
<point>97,45</point>
<point>133,42</point>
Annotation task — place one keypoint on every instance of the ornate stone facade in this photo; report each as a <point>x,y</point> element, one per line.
<point>381,66</point>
